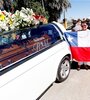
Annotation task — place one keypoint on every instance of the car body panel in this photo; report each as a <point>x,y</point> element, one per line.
<point>31,78</point>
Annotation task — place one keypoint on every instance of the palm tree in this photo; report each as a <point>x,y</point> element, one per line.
<point>55,8</point>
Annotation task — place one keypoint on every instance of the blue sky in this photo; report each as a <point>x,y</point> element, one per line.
<point>79,9</point>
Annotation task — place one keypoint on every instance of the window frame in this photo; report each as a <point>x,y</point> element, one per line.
<point>16,64</point>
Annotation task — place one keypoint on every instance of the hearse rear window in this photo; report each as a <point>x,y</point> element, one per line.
<point>20,44</point>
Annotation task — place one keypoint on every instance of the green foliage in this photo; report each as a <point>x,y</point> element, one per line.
<point>51,9</point>
<point>35,5</point>
<point>38,9</point>
<point>56,7</point>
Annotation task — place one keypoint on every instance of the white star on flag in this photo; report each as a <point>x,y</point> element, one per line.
<point>70,39</point>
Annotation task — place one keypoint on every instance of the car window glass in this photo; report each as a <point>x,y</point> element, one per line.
<point>50,31</point>
<point>18,44</point>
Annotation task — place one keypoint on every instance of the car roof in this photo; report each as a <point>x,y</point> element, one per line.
<point>60,26</point>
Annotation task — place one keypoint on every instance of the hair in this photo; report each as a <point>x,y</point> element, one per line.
<point>78,20</point>
<point>84,22</point>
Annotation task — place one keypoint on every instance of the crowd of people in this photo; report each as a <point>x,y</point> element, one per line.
<point>82,25</point>
<point>77,24</point>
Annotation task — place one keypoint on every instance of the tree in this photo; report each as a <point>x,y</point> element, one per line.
<point>36,5</point>
<point>50,8</point>
<point>55,8</point>
<point>19,4</point>
<point>38,8</point>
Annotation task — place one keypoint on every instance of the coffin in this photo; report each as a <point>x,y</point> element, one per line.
<point>20,44</point>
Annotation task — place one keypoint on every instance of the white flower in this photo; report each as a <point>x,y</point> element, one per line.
<point>23,15</point>
<point>3,26</point>
<point>23,18</point>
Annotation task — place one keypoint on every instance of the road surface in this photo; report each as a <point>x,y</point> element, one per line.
<point>76,87</point>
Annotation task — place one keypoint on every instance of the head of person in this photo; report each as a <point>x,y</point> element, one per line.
<point>84,25</point>
<point>74,22</point>
<point>78,22</point>
<point>77,26</point>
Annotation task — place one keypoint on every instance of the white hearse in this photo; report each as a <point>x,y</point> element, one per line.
<point>31,60</point>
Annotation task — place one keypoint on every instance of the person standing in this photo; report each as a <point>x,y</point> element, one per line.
<point>77,26</point>
<point>84,28</point>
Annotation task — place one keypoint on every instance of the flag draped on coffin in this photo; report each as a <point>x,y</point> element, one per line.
<point>79,44</point>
